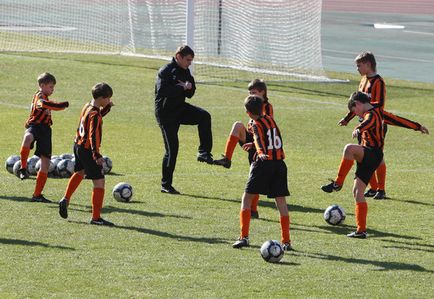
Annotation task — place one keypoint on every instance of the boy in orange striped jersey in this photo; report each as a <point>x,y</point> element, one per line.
<point>38,129</point>
<point>368,154</point>
<point>268,172</point>
<point>373,85</point>
<point>241,135</point>
<point>88,159</point>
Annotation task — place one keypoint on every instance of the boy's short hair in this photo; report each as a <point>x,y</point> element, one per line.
<point>46,78</point>
<point>367,57</point>
<point>357,96</point>
<point>184,51</point>
<point>258,84</point>
<point>254,104</point>
<point>102,90</point>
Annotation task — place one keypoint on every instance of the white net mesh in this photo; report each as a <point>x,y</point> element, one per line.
<point>278,39</point>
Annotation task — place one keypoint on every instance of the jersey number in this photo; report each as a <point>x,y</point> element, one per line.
<point>81,128</point>
<point>274,140</point>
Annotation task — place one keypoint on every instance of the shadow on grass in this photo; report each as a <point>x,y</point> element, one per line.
<point>163,234</point>
<point>32,243</point>
<point>415,202</point>
<point>115,174</point>
<point>23,199</point>
<point>415,246</point>
<point>382,266</point>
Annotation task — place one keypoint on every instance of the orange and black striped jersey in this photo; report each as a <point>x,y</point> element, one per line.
<point>41,110</point>
<point>395,120</point>
<point>267,109</point>
<point>375,88</point>
<point>267,138</point>
<point>89,131</point>
<point>371,129</point>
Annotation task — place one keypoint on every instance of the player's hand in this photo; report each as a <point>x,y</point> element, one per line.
<point>355,133</point>
<point>100,161</point>
<point>247,146</point>
<point>424,130</point>
<point>342,122</point>
<point>186,85</point>
<point>262,157</point>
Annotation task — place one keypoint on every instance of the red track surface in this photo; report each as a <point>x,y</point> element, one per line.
<point>381,6</point>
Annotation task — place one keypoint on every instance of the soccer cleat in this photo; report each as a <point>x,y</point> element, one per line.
<point>241,242</point>
<point>205,157</point>
<point>358,235</point>
<point>63,208</point>
<point>329,188</point>
<point>40,198</point>
<point>287,246</point>
<point>370,193</point>
<point>381,194</point>
<point>254,214</point>
<point>169,190</point>
<point>23,173</point>
<point>101,221</point>
<point>225,162</point>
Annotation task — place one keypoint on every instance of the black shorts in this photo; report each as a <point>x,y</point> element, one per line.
<point>252,151</point>
<point>42,137</point>
<point>371,160</point>
<point>268,178</point>
<point>84,160</point>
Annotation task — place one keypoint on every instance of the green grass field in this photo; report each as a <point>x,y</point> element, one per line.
<point>180,246</point>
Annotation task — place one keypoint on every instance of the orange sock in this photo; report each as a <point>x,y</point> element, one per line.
<point>41,178</point>
<point>231,143</point>
<point>381,174</point>
<point>361,214</point>
<point>344,168</point>
<point>245,222</point>
<point>284,226</point>
<point>24,154</point>
<point>97,200</point>
<point>255,201</point>
<point>73,183</point>
<point>373,182</point>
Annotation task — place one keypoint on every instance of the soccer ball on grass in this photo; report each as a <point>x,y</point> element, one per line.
<point>272,251</point>
<point>123,192</point>
<point>334,215</point>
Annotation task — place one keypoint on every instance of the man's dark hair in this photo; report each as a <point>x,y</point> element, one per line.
<point>184,51</point>
<point>258,84</point>
<point>46,78</point>
<point>102,90</point>
<point>254,104</point>
<point>357,96</point>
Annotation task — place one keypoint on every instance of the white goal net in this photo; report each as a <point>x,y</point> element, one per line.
<point>275,39</point>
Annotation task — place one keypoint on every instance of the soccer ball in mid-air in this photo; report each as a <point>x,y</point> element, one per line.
<point>107,165</point>
<point>123,192</point>
<point>10,162</point>
<point>272,251</point>
<point>31,165</point>
<point>65,168</point>
<point>334,215</point>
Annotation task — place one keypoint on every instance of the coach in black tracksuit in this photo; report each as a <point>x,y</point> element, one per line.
<point>174,84</point>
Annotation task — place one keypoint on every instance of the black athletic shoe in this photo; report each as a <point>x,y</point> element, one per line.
<point>169,190</point>
<point>101,221</point>
<point>358,235</point>
<point>287,246</point>
<point>63,208</point>
<point>23,173</point>
<point>380,195</point>
<point>254,214</point>
<point>225,162</point>
<point>40,198</point>
<point>241,242</point>
<point>370,193</point>
<point>329,188</point>
<point>205,157</point>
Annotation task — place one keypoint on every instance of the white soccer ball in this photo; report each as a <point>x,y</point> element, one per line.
<point>10,162</point>
<point>66,156</point>
<point>31,164</point>
<point>272,251</point>
<point>123,192</point>
<point>65,168</point>
<point>51,167</point>
<point>55,160</point>
<point>334,215</point>
<point>16,167</point>
<point>107,165</point>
